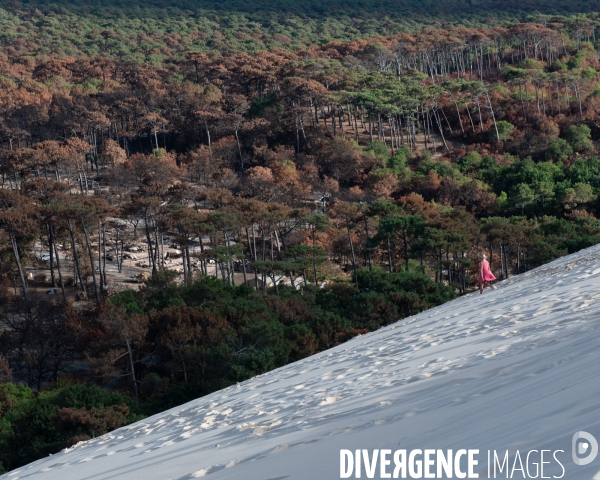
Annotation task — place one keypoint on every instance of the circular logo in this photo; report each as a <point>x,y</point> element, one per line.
<point>588,446</point>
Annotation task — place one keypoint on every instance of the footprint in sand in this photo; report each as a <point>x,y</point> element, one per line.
<point>330,400</point>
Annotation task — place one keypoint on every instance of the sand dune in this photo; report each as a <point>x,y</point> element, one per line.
<point>517,368</point>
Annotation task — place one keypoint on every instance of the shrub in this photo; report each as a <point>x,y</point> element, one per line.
<point>559,150</point>
<point>505,130</point>
<point>579,137</point>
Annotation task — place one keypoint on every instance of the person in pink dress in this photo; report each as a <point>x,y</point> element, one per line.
<point>485,274</point>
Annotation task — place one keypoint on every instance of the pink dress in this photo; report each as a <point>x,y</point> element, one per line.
<point>485,274</point>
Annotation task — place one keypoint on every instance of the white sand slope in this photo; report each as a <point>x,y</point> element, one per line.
<point>517,368</point>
